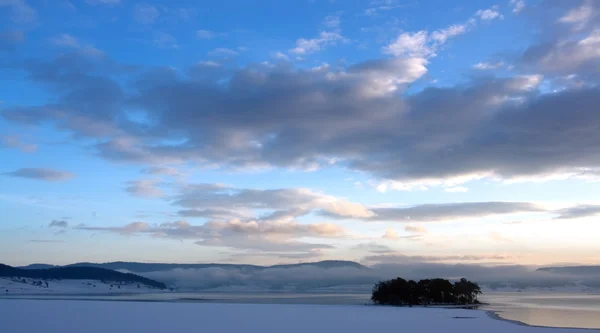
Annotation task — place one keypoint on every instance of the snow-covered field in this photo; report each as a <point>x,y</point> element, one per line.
<point>27,316</point>
<point>21,286</point>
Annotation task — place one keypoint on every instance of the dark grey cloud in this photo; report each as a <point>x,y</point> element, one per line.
<point>59,224</point>
<point>357,117</point>
<point>569,40</point>
<point>579,211</point>
<point>50,175</point>
<point>449,211</point>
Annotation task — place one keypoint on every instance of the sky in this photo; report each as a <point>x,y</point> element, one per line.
<point>272,132</point>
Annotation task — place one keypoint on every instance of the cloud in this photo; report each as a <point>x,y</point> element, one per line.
<point>284,203</point>
<point>580,16</point>
<point>417,229</point>
<point>517,5</point>
<point>354,116</point>
<point>579,211</point>
<point>126,230</point>
<point>223,52</point>
<point>372,248</point>
<point>280,56</point>
<point>423,44</point>
<point>49,175</point>
<point>308,46</point>
<point>209,64</point>
<point>165,40</point>
<point>11,39</point>
<point>487,65</point>
<point>103,2</point>
<point>269,236</point>
<point>449,211</point>
<point>13,141</point>
<point>441,36</point>
<point>391,234</point>
<point>145,14</point>
<point>332,22</point>
<point>68,41</point>
<point>169,171</point>
<point>410,44</point>
<point>489,14</point>
<point>144,188</point>
<point>59,224</point>
<point>381,77</point>
<point>565,56</point>
<point>216,213</point>
<point>208,34</point>
<point>21,12</point>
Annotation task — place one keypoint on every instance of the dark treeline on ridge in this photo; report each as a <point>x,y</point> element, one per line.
<point>425,292</point>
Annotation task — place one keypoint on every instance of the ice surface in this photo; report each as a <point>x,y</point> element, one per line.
<point>49,316</point>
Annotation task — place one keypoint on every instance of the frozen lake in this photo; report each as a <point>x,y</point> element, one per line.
<point>60,316</point>
<point>533,308</point>
<point>547,308</point>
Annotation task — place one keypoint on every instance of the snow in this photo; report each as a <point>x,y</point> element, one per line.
<point>48,316</point>
<point>21,286</point>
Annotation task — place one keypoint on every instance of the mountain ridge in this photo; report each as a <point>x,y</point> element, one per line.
<point>580,269</point>
<point>141,267</point>
<point>78,273</point>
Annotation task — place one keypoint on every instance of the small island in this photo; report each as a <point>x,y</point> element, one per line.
<point>400,292</point>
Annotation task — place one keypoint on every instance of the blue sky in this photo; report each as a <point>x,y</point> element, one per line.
<point>284,131</point>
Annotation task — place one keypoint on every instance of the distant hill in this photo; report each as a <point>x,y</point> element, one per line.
<point>575,270</point>
<point>325,264</point>
<point>78,273</point>
<point>38,266</point>
<point>139,267</point>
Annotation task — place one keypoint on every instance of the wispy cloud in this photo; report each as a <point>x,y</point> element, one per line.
<point>165,40</point>
<point>13,141</point>
<point>308,46</point>
<point>517,5</point>
<point>103,2</point>
<point>223,52</point>
<point>145,14</point>
<point>20,11</point>
<point>146,188</point>
<point>50,175</point>
<point>487,66</point>
<point>69,41</point>
<point>208,34</point>
<point>489,14</point>
<point>59,224</point>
